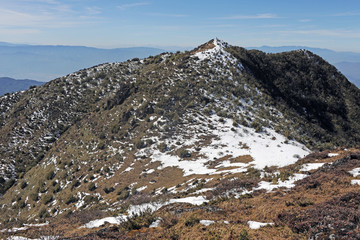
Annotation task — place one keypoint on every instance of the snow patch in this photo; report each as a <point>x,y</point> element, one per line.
<point>99,222</point>
<point>355,172</point>
<point>355,181</point>
<point>207,222</point>
<point>311,166</point>
<point>257,225</point>
<point>287,184</point>
<point>267,148</point>
<point>193,200</point>
<point>217,52</point>
<point>156,223</point>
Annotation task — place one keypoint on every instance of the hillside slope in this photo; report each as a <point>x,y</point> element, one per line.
<point>129,133</point>
<point>346,62</point>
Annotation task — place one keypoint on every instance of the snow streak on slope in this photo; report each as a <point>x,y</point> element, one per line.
<point>266,148</point>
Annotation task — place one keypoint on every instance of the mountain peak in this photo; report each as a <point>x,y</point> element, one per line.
<point>211,49</point>
<point>214,43</point>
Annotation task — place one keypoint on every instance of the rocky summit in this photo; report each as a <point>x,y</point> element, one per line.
<point>215,143</point>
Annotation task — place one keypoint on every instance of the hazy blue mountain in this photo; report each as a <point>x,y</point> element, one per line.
<point>330,55</point>
<point>351,70</point>
<point>9,85</point>
<point>48,62</point>
<point>347,62</point>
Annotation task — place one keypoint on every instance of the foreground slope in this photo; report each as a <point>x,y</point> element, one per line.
<point>134,132</point>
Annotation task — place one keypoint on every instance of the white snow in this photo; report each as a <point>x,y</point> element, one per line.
<point>216,52</point>
<point>333,154</point>
<point>287,184</point>
<point>149,171</point>
<point>156,223</point>
<point>18,238</point>
<point>267,149</point>
<point>311,166</point>
<point>355,172</point>
<point>113,220</point>
<point>355,181</point>
<point>193,200</point>
<point>257,225</point>
<point>141,188</point>
<point>137,209</point>
<point>207,222</point>
<point>128,169</point>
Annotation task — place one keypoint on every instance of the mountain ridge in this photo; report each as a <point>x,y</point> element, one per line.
<point>170,125</point>
<point>347,62</point>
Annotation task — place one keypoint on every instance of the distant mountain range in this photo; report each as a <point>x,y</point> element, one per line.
<point>10,85</point>
<point>347,62</point>
<point>45,63</point>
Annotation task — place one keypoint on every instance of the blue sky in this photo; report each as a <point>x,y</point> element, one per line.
<point>333,24</point>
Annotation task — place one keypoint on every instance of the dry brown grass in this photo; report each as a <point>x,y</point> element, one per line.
<point>204,47</point>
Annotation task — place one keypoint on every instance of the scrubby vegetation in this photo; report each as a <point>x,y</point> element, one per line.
<point>83,143</point>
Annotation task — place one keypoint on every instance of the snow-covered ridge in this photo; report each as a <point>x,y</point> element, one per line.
<point>214,49</point>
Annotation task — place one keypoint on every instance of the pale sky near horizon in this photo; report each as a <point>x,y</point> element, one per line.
<point>332,24</point>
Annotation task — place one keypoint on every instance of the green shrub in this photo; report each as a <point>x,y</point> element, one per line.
<point>183,153</point>
<point>42,189</point>
<point>43,213</point>
<point>285,175</point>
<point>75,184</point>
<point>244,235</point>
<point>163,147</point>
<point>47,198</point>
<point>19,204</point>
<point>50,175</point>
<point>191,221</point>
<point>140,144</point>
<point>101,145</point>
<point>71,199</point>
<point>92,186</point>
<point>108,190</point>
<point>34,196</point>
<point>89,199</point>
<point>57,188</point>
<point>138,221</point>
<point>253,172</point>
<point>123,193</point>
<point>23,185</point>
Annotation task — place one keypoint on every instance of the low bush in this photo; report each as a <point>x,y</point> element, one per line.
<point>137,221</point>
<point>234,185</point>
<point>108,190</point>
<point>123,193</point>
<point>23,185</point>
<point>34,196</point>
<point>338,218</point>
<point>47,198</point>
<point>71,199</point>
<point>183,153</point>
<point>92,186</point>
<point>191,221</point>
